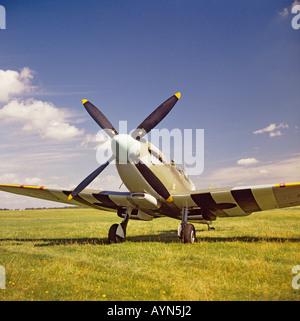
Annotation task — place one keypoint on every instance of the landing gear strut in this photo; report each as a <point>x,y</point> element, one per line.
<point>186,231</point>
<point>210,228</point>
<point>117,232</point>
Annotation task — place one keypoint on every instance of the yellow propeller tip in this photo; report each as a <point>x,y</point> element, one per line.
<point>84,101</point>
<point>178,95</point>
<point>70,197</point>
<point>170,199</point>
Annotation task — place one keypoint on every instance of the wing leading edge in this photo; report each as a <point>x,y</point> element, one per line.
<point>95,199</point>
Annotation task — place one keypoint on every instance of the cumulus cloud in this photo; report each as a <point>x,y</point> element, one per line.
<point>280,171</point>
<point>12,178</point>
<point>276,133</point>
<point>35,116</point>
<point>97,141</point>
<point>14,83</point>
<point>40,117</point>
<point>247,161</point>
<point>272,129</point>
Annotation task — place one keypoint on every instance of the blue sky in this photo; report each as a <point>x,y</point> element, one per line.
<point>236,64</point>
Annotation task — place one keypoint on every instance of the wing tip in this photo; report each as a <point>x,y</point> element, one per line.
<point>84,101</point>
<point>23,186</point>
<point>287,184</point>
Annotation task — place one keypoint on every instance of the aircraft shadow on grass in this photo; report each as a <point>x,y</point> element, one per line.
<point>163,237</point>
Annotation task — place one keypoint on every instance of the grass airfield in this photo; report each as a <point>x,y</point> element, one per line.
<point>62,255</point>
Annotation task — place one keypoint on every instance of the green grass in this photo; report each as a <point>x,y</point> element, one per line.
<point>62,254</point>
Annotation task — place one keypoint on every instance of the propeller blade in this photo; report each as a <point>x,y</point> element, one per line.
<point>89,179</point>
<point>156,116</point>
<point>99,118</point>
<point>151,178</point>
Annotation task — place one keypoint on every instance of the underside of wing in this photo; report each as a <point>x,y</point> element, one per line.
<point>238,201</point>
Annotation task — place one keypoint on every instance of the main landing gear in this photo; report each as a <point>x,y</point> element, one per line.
<point>117,232</point>
<point>186,231</point>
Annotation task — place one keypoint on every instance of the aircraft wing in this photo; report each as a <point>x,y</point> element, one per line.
<point>238,201</point>
<point>104,200</point>
<point>202,204</point>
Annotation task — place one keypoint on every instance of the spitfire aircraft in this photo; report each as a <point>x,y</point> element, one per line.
<point>160,188</point>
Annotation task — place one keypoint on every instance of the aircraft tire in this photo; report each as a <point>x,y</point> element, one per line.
<point>189,233</point>
<point>112,236</point>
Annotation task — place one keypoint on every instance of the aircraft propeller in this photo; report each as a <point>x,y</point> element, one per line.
<point>99,118</point>
<point>155,117</point>
<point>145,127</point>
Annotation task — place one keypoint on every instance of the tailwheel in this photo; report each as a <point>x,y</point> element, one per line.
<point>113,235</point>
<point>189,233</point>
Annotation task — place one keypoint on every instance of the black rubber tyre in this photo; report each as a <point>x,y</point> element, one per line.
<point>189,233</point>
<point>112,236</point>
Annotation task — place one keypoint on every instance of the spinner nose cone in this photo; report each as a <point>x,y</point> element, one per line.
<point>123,145</point>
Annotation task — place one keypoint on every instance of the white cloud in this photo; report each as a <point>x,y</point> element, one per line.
<point>247,161</point>
<point>282,171</point>
<point>14,83</point>
<point>266,129</point>
<point>285,11</point>
<point>12,178</point>
<point>277,133</point>
<point>36,116</point>
<point>33,181</point>
<point>9,178</point>
<point>40,117</point>
<point>272,129</point>
<point>97,141</point>
<point>29,160</point>
<point>264,171</point>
